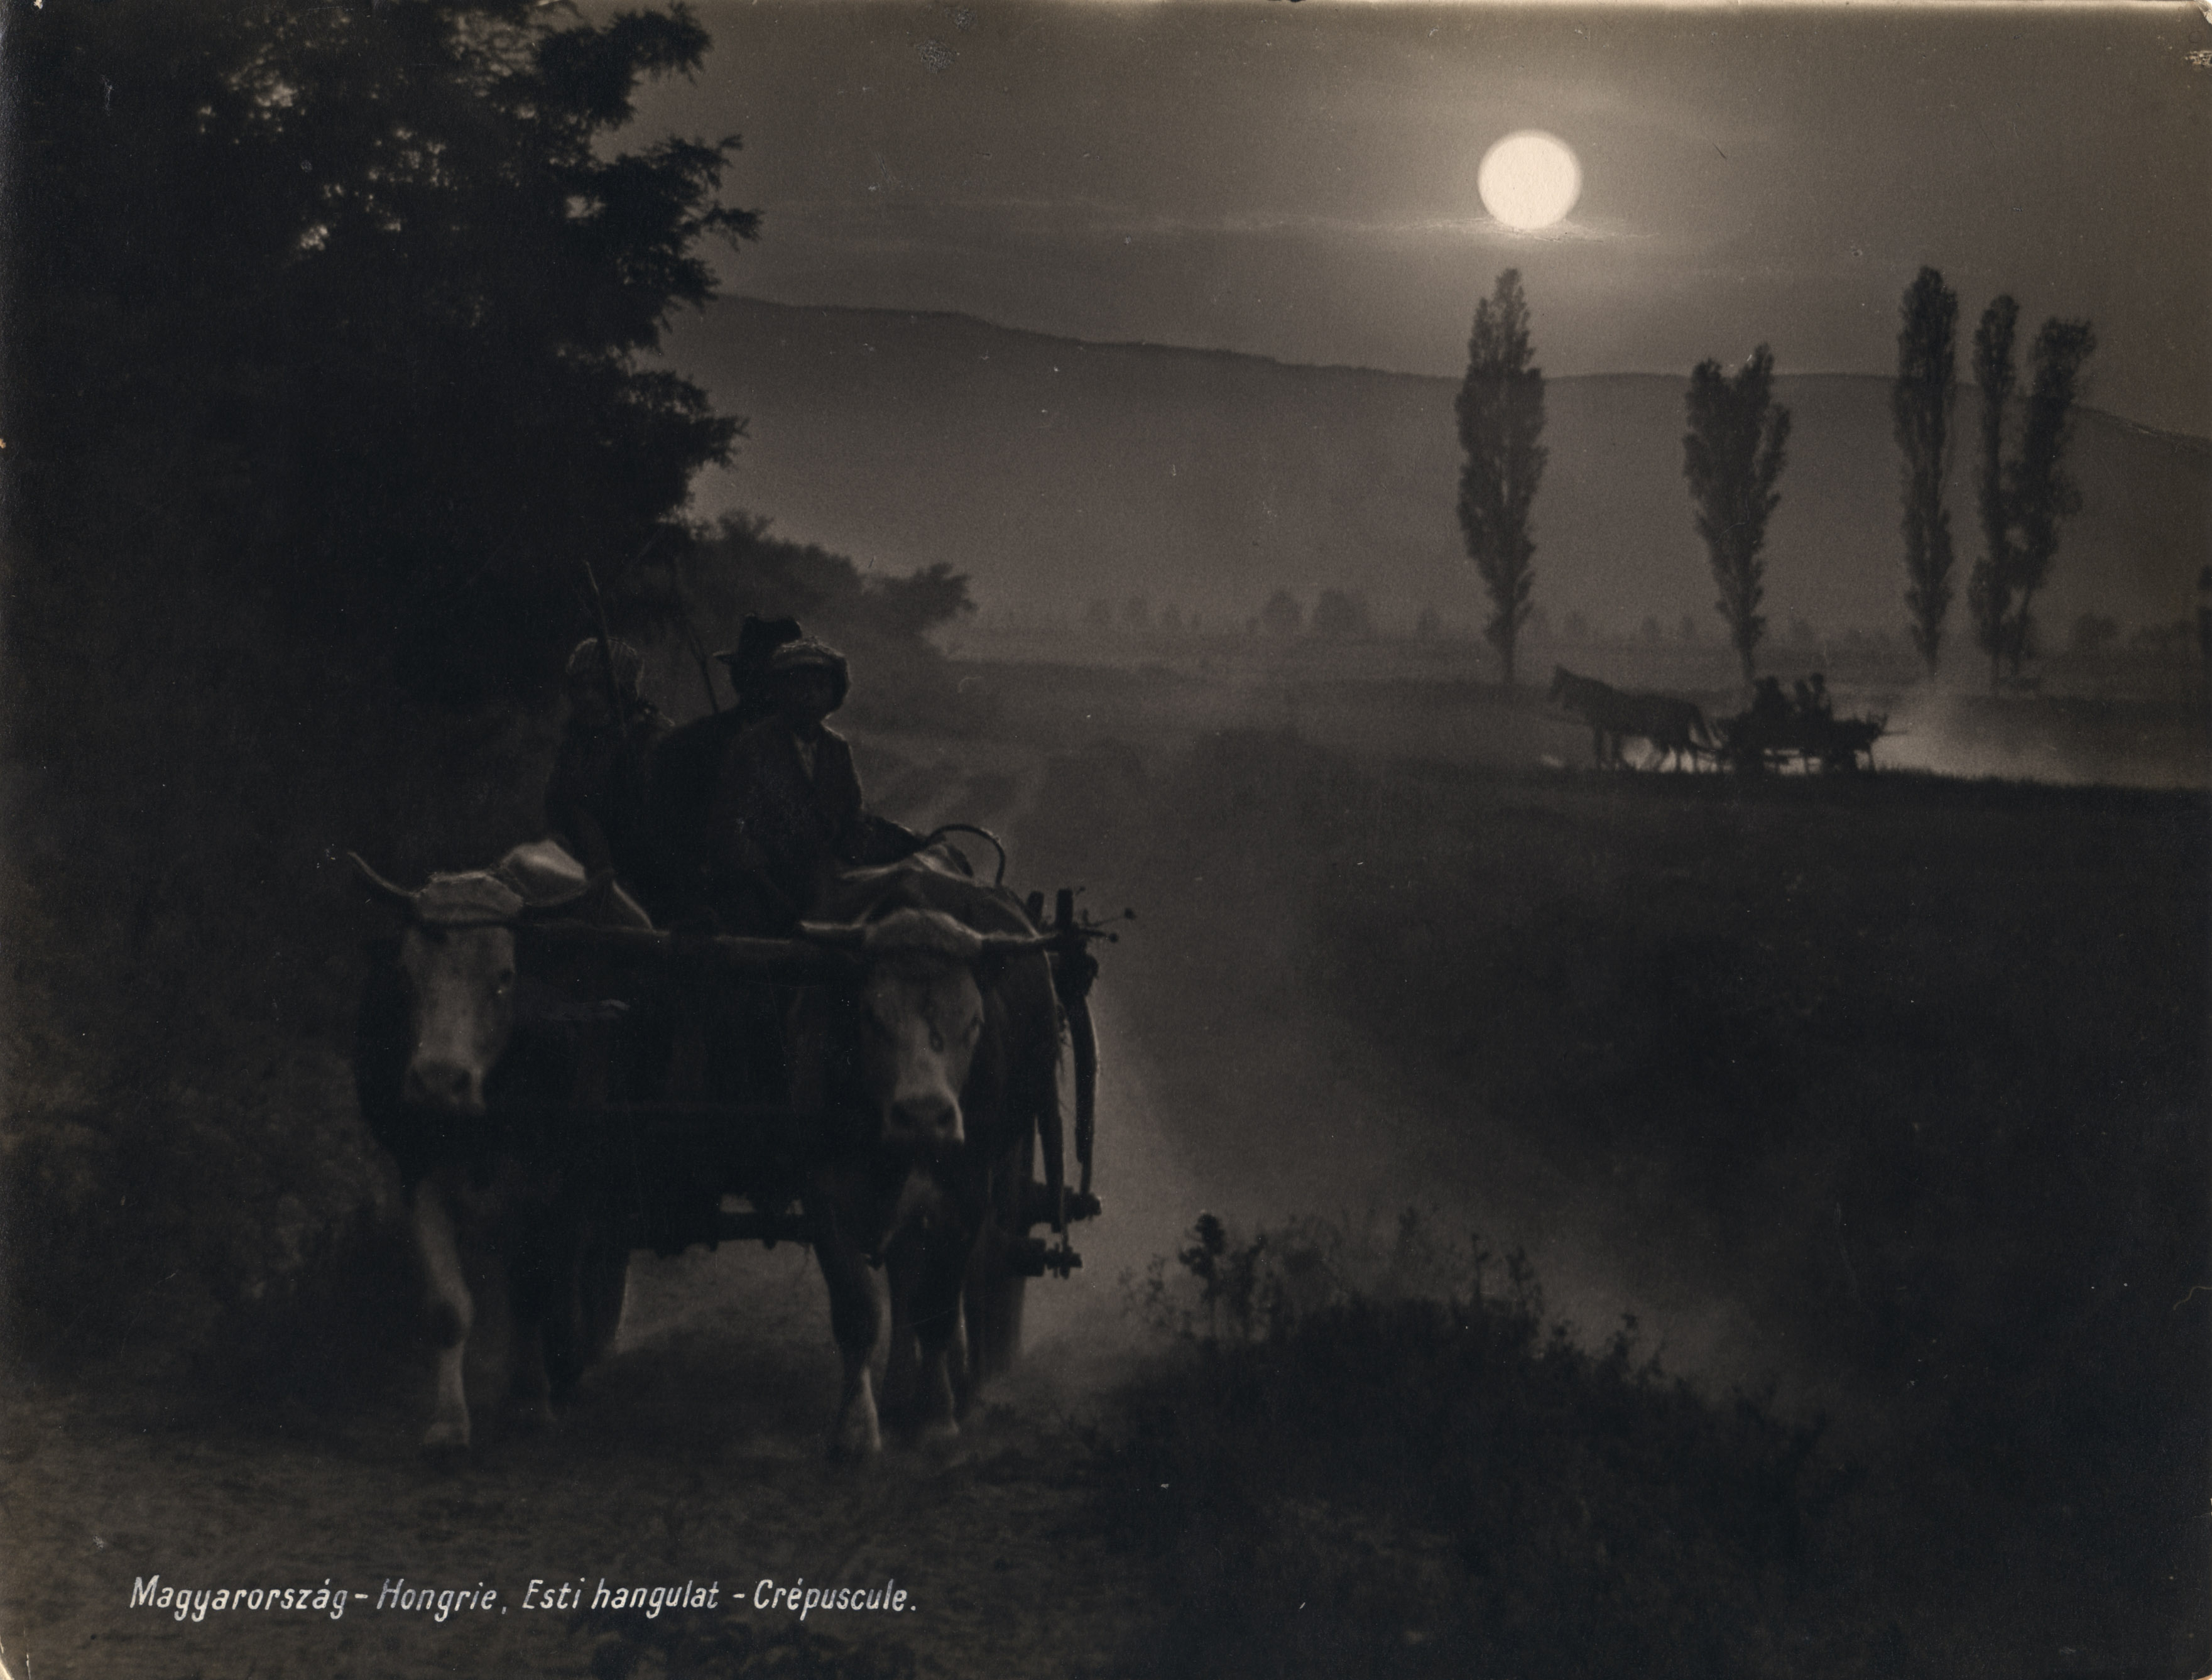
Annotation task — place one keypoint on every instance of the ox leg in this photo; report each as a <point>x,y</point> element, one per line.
<point>529,1400</point>
<point>901,1273</point>
<point>854,1320</point>
<point>529,1385</point>
<point>606,1289</point>
<point>450,1313</point>
<point>906,1258</point>
<point>540,1277</point>
<point>937,1328</point>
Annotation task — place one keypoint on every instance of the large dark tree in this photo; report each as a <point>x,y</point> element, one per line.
<point>1920,410</point>
<point>1501,417</point>
<point>1732,455</point>
<point>326,326</point>
<point>1990,586</point>
<point>338,309</point>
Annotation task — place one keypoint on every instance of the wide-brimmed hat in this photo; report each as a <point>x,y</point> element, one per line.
<point>808,655</point>
<point>757,638</point>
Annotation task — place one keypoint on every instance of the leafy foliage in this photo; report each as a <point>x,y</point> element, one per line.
<point>338,306</point>
<point>1733,454</point>
<point>1501,417</point>
<point>1342,1479</point>
<point>1263,1289</point>
<point>710,581</point>
<point>1920,409</point>
<point>326,325</point>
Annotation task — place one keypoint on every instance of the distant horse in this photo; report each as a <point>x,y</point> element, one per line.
<point>1676,728</point>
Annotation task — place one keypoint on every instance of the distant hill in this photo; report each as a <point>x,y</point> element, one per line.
<point>1054,471</point>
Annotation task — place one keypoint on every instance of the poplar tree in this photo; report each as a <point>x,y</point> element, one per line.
<point>1501,417</point>
<point>1732,455</point>
<point>2024,502</point>
<point>2044,495</point>
<point>1920,410</point>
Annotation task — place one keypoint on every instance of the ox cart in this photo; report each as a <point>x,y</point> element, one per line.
<point>664,1154</point>
<point>636,1137</point>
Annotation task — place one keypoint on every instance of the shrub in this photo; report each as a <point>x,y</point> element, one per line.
<point>1344,1474</point>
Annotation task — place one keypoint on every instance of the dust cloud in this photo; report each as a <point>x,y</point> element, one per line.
<point>2070,741</point>
<point>1231,1083</point>
<point>1310,1123</point>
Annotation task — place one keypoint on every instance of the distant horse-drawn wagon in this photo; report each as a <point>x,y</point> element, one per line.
<point>1773,733</point>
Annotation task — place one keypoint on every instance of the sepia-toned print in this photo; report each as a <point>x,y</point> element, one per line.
<point>1001,838</point>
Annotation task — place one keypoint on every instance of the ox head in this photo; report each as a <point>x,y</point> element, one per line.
<point>921,1015</point>
<point>457,959</point>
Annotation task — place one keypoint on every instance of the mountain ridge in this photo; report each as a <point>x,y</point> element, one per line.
<point>963,318</point>
<point>1055,470</point>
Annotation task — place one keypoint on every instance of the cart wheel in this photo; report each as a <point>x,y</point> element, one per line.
<point>996,1288</point>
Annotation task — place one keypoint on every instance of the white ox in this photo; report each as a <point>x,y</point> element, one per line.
<point>524,1280</point>
<point>930,1071</point>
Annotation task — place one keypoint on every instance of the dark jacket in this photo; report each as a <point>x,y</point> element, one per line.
<point>683,781</point>
<point>772,819</point>
<point>595,804</point>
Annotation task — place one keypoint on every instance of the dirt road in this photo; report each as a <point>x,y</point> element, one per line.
<point>693,1458</point>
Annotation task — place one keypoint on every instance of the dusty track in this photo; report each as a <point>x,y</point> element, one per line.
<point>695,1455</point>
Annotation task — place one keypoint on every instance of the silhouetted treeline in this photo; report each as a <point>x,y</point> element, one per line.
<point>325,325</point>
<point>332,309</point>
<point>712,579</point>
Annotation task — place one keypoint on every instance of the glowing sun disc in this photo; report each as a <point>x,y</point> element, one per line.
<point>1529,179</point>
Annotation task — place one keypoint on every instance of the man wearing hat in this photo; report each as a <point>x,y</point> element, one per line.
<point>595,802</point>
<point>788,811</point>
<point>748,666</point>
<point>687,766</point>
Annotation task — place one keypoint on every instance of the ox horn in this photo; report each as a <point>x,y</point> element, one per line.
<point>376,883</point>
<point>1006,945</point>
<point>601,881</point>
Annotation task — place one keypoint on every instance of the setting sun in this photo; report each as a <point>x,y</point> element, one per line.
<point>1529,179</point>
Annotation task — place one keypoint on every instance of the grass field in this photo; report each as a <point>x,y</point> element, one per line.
<point>1900,1080</point>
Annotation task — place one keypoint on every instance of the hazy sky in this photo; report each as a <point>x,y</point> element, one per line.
<point>1298,180</point>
